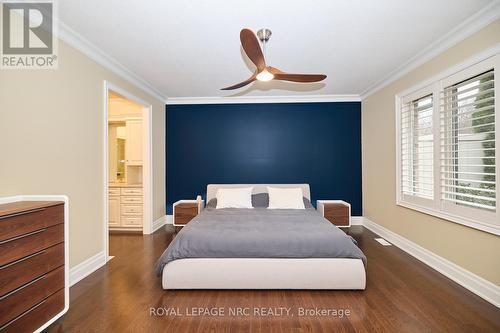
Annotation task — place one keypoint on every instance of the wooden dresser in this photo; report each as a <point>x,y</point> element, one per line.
<point>33,271</point>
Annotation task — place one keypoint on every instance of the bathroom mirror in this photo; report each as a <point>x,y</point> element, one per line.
<point>117,141</point>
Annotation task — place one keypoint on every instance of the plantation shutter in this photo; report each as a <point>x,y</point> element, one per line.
<point>417,142</point>
<point>467,132</point>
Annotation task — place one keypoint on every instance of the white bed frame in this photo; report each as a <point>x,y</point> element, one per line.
<point>263,273</point>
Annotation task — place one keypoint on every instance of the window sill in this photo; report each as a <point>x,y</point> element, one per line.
<point>487,227</point>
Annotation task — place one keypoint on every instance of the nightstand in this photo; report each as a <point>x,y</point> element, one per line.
<point>185,210</point>
<point>336,211</point>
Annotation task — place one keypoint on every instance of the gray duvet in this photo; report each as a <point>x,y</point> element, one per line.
<point>259,233</point>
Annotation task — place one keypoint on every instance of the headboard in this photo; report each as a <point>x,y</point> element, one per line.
<point>257,188</point>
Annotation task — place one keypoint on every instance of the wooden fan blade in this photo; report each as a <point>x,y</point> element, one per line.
<point>304,78</point>
<point>252,48</point>
<point>241,84</point>
<point>300,77</point>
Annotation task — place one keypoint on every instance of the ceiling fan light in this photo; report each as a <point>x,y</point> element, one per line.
<point>265,75</point>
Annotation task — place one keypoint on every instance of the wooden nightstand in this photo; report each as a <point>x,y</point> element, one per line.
<point>185,210</point>
<point>336,211</point>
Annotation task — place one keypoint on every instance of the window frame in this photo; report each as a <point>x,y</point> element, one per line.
<point>469,216</point>
<point>409,98</point>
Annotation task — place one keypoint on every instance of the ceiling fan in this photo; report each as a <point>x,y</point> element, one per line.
<point>263,72</point>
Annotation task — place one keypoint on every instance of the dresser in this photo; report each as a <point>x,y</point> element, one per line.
<point>33,264</point>
<point>125,209</point>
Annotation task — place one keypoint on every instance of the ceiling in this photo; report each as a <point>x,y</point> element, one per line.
<point>192,48</point>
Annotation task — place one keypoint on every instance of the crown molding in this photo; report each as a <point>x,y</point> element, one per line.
<point>263,99</point>
<point>468,27</point>
<point>77,41</point>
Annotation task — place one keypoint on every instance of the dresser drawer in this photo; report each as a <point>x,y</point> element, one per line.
<point>22,246</point>
<point>132,200</point>
<point>25,297</point>
<point>114,191</point>
<point>37,315</point>
<point>22,223</point>
<point>29,268</point>
<point>132,191</point>
<point>131,209</point>
<point>131,221</point>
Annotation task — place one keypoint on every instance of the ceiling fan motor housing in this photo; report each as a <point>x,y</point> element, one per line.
<point>264,35</point>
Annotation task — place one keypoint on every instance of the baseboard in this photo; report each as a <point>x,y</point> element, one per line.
<point>476,284</point>
<point>357,220</point>
<point>86,268</point>
<point>157,224</point>
<point>170,219</point>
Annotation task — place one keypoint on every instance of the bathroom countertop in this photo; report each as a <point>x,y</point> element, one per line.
<point>124,185</point>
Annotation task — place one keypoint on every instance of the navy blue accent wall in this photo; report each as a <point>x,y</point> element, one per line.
<point>314,143</point>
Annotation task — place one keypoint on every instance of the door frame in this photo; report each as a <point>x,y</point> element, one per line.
<point>147,168</point>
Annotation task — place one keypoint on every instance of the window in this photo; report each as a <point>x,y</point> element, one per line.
<point>447,147</point>
<point>417,141</point>
<point>468,143</point>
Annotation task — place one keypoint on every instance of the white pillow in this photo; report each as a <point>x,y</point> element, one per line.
<point>285,198</point>
<point>234,197</point>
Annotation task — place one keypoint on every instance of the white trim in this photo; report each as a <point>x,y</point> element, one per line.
<point>147,227</point>
<point>357,220</point>
<point>105,179</point>
<point>468,27</point>
<point>86,267</point>
<point>169,220</point>
<point>471,61</point>
<point>476,224</point>
<point>148,170</point>
<point>66,245</point>
<point>263,99</point>
<point>74,39</point>
<point>15,198</point>
<point>157,224</point>
<point>476,284</point>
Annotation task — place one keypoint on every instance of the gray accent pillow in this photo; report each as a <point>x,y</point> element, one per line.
<point>259,200</point>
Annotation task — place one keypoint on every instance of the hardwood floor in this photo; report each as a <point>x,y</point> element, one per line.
<point>402,295</point>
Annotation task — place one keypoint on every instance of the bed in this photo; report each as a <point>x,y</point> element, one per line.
<point>261,249</point>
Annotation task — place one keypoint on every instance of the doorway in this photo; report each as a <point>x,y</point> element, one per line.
<point>127,164</point>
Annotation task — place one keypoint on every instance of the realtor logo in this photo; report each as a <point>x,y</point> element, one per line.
<point>28,40</point>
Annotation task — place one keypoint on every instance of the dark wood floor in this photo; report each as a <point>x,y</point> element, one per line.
<point>402,295</point>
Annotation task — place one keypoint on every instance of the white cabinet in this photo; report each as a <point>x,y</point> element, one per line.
<point>114,211</point>
<point>133,146</point>
<point>125,208</point>
<point>130,221</point>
